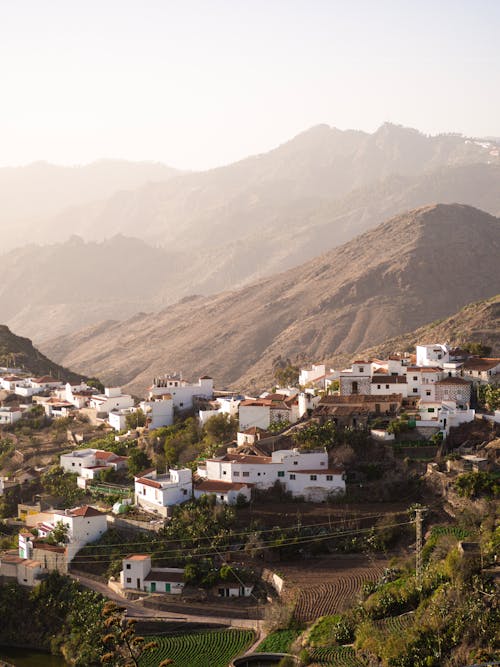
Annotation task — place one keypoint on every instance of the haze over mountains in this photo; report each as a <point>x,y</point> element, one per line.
<point>205,232</point>
<point>411,270</point>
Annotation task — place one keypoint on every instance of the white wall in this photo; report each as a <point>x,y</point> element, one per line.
<point>254,415</point>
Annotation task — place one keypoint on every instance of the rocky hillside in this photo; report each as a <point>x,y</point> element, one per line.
<point>477,322</point>
<point>19,353</point>
<point>414,268</point>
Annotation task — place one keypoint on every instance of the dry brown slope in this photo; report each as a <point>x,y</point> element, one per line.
<point>477,322</point>
<point>418,266</point>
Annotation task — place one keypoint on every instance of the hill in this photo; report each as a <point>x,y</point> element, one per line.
<point>19,353</point>
<point>418,266</point>
<point>477,322</point>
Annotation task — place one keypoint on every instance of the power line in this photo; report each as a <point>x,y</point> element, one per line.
<point>270,543</point>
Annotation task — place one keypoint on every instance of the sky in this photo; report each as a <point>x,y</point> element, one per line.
<point>201,83</point>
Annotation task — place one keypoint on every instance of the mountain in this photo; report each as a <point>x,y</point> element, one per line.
<point>416,267</point>
<point>53,289</point>
<point>32,195</point>
<point>229,227</point>
<point>20,352</point>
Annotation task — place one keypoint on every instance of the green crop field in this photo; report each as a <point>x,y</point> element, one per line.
<point>337,656</point>
<point>278,641</point>
<point>200,649</point>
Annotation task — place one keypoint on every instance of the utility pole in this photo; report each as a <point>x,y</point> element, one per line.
<point>418,528</point>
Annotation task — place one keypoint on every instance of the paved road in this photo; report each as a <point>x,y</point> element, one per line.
<point>136,610</point>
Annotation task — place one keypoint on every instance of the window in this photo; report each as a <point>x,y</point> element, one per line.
<point>73,464</point>
<point>430,409</point>
<point>415,378</point>
<point>415,390</point>
<point>224,472</point>
<point>361,369</point>
<point>281,473</point>
<point>387,386</point>
<point>246,474</point>
<point>129,580</point>
<point>379,386</point>
<point>329,478</point>
<point>313,478</point>
<point>295,463</point>
<point>127,566</point>
<point>292,476</point>
<point>184,492</point>
<point>258,474</point>
<point>236,473</point>
<point>427,393</point>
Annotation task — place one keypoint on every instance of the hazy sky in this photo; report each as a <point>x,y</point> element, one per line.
<point>201,83</point>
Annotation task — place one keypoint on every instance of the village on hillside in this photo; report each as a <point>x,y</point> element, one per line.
<point>194,498</point>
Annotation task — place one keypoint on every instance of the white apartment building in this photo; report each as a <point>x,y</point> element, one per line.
<point>159,411</point>
<point>181,391</point>
<point>302,473</point>
<point>156,493</point>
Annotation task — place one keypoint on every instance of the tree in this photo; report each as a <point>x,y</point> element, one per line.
<point>285,373</point>
<point>123,647</point>
<point>96,383</point>
<point>220,428</point>
<point>137,461</point>
<point>63,485</point>
<point>136,419</point>
<point>60,533</point>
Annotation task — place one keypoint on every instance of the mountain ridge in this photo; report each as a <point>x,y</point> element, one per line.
<point>381,284</point>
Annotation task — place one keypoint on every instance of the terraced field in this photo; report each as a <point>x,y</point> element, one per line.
<point>338,656</point>
<point>396,623</point>
<point>322,591</point>
<point>201,649</point>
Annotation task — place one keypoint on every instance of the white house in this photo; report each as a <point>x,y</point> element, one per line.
<point>266,410</point>
<point>311,374</point>
<point>10,416</point>
<point>159,411</point>
<point>89,463</point>
<point>421,381</point>
<point>302,473</point>
<point>111,399</point>
<point>25,571</point>
<point>432,355</point>
<point>356,380</point>
<point>224,492</point>
<point>85,524</point>
<point>181,391</point>
<point>45,382</point>
<point>482,370</point>
<point>384,385</point>
<point>156,493</point>
<point>10,382</point>
<point>138,574</point>
<point>79,394</point>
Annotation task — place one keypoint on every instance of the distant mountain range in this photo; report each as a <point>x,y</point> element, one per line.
<point>206,232</point>
<point>32,195</point>
<point>411,270</point>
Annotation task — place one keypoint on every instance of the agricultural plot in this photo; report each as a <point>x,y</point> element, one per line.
<point>396,624</point>
<point>278,641</point>
<point>338,656</point>
<point>215,648</point>
<point>324,591</point>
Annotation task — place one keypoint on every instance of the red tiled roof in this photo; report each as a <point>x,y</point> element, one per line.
<point>138,557</point>
<point>148,482</point>
<point>46,379</point>
<point>389,379</point>
<point>85,510</point>
<point>481,364</point>
<point>212,485</point>
<point>455,380</point>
